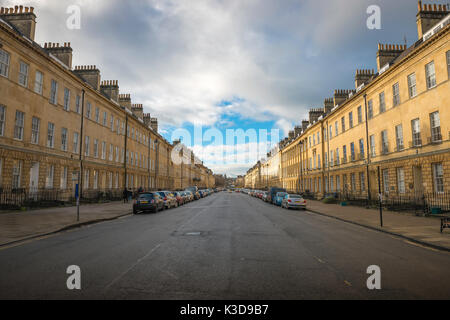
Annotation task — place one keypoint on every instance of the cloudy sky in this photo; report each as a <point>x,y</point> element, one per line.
<point>226,64</point>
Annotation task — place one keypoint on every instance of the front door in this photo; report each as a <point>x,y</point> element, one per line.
<point>418,182</point>
<point>34,179</point>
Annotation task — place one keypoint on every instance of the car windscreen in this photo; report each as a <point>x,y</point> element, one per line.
<point>281,194</point>
<point>162,194</point>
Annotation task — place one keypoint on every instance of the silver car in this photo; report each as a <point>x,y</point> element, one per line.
<point>293,201</point>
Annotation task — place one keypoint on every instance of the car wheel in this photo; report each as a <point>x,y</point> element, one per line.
<point>135,211</point>
<point>156,209</point>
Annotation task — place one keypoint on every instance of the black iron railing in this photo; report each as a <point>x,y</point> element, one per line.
<point>16,198</point>
<point>424,203</point>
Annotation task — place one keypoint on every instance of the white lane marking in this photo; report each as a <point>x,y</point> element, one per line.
<point>132,267</point>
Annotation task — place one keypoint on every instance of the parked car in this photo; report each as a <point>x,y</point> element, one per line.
<point>148,201</point>
<point>279,198</point>
<point>169,199</point>
<point>188,197</point>
<point>194,191</point>
<point>293,201</point>
<point>179,198</point>
<point>273,192</point>
<point>264,196</point>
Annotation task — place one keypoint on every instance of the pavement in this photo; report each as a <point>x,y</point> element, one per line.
<point>423,230</point>
<point>226,246</point>
<point>16,226</point>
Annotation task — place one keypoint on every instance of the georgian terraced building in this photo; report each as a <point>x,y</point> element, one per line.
<point>57,120</point>
<point>397,119</point>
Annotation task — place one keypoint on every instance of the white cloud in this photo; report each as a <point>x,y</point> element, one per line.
<point>181,58</point>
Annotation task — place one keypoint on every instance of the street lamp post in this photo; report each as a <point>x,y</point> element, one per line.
<point>300,143</point>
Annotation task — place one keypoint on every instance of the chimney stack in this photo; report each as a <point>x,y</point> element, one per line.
<point>305,124</point>
<point>291,135</point>
<point>340,96</point>
<point>89,74</point>
<point>111,89</point>
<point>125,100</point>
<point>315,114</point>
<point>62,53</point>
<point>298,131</point>
<point>388,53</point>
<point>363,76</point>
<point>138,110</point>
<point>23,18</point>
<point>154,124</point>
<point>147,119</point>
<point>428,15</point>
<point>328,104</point>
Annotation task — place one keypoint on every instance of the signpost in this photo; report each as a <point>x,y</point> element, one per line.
<point>77,196</point>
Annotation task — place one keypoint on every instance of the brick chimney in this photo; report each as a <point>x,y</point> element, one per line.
<point>291,135</point>
<point>147,119</point>
<point>387,53</point>
<point>111,89</point>
<point>314,115</point>
<point>125,100</point>
<point>363,76</point>
<point>328,104</point>
<point>62,53</point>
<point>154,124</point>
<point>429,15</point>
<point>298,131</point>
<point>90,74</point>
<point>305,124</point>
<point>340,96</point>
<point>23,18</point>
<point>138,110</point>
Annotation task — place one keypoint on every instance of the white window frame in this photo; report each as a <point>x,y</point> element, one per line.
<point>95,148</point>
<point>19,125</point>
<point>38,82</point>
<point>430,75</point>
<point>78,104</point>
<point>17,174</point>
<point>401,185</point>
<point>386,184</point>
<point>396,94</point>
<point>103,150</point>
<point>399,137</point>
<point>435,126</point>
<point>49,177</point>
<point>4,63</point>
<point>24,69</point>
<point>438,177</point>
<point>66,99</point>
<point>2,120</point>
<point>63,181</point>
<point>76,148</point>
<point>64,139</point>
<point>54,92</point>
<point>87,142</point>
<point>412,85</point>
<point>51,135</point>
<point>382,101</point>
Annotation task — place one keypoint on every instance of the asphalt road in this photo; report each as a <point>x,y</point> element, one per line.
<point>227,246</point>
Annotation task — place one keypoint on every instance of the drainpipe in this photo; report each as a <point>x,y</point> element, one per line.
<point>148,161</point>
<point>80,174</point>
<point>368,151</point>
<point>125,160</point>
